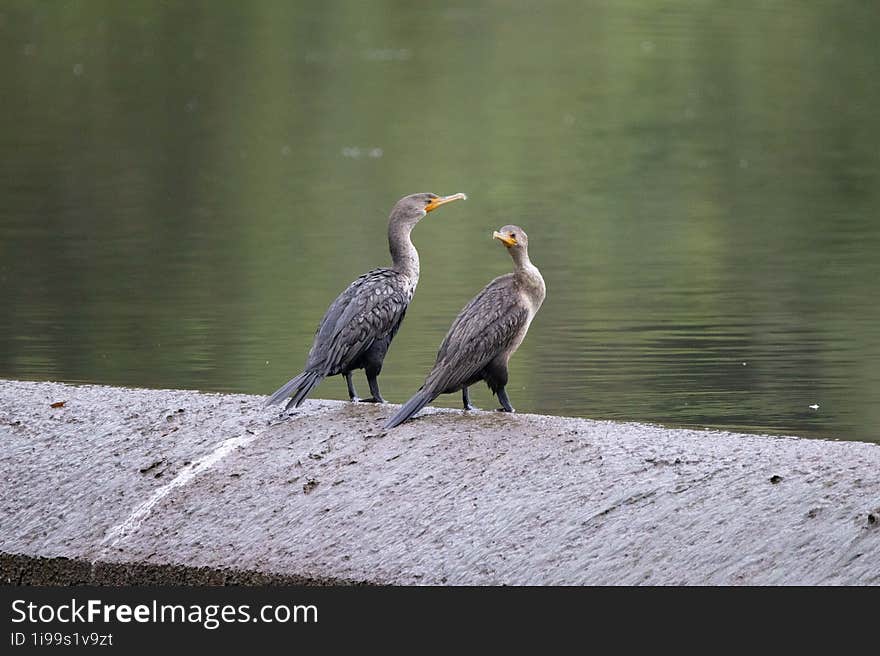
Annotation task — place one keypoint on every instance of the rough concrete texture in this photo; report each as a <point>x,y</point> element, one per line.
<point>126,486</point>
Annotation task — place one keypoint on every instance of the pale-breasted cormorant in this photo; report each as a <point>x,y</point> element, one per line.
<point>359,325</point>
<point>486,333</point>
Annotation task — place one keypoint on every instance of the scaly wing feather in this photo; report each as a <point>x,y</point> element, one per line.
<point>483,330</point>
<point>371,308</point>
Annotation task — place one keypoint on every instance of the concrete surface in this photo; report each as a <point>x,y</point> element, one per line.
<point>125,486</point>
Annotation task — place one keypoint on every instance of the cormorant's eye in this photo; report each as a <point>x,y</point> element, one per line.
<point>513,234</point>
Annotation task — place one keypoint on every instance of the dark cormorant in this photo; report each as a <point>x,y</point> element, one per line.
<point>359,325</point>
<point>486,333</point>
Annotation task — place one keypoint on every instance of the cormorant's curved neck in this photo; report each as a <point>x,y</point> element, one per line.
<point>527,275</point>
<point>404,256</point>
<point>521,259</point>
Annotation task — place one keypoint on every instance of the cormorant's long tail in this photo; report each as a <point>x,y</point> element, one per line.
<point>297,388</point>
<point>419,400</point>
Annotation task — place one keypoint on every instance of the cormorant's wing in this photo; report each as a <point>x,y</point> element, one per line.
<point>484,329</point>
<point>370,308</point>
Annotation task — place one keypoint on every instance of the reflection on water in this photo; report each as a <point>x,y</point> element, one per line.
<point>185,189</point>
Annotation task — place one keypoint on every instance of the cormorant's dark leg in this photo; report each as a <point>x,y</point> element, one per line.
<point>372,364</point>
<point>505,402</point>
<point>495,376</point>
<point>373,380</point>
<point>466,399</point>
<point>352,394</point>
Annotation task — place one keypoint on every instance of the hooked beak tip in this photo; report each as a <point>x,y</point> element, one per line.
<point>442,200</point>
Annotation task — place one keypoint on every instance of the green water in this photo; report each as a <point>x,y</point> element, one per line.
<point>184,187</point>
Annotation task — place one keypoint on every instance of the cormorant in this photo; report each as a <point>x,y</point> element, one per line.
<point>486,333</point>
<point>359,325</point>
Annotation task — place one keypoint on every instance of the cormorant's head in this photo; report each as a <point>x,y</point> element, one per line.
<point>414,207</point>
<point>512,236</point>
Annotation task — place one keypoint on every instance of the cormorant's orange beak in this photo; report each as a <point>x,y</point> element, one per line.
<point>442,200</point>
<point>507,240</point>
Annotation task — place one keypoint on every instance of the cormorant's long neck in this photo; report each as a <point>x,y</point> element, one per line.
<point>527,275</point>
<point>404,256</point>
